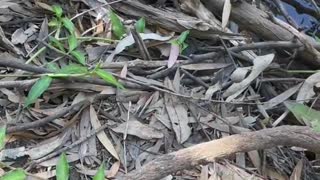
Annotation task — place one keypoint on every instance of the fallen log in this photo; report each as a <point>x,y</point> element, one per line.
<point>204,153</point>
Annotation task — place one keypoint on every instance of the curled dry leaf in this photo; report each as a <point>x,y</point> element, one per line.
<point>226,13</point>
<point>239,74</point>
<point>103,138</point>
<point>281,97</point>
<point>178,116</point>
<point>306,91</point>
<point>174,54</point>
<point>128,41</point>
<point>260,63</point>
<point>48,146</point>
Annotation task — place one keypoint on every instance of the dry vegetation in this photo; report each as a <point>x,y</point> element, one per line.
<point>166,89</point>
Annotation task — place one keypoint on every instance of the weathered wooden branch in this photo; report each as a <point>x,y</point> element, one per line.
<point>210,151</point>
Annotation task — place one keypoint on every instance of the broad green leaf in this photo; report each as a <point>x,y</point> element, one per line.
<point>54,22</point>
<point>68,24</point>
<point>73,42</point>
<point>38,89</point>
<point>73,69</point>
<point>108,78</point>
<point>62,168</point>
<point>57,10</point>
<point>17,174</point>
<point>304,113</point>
<point>117,27</point>
<point>56,43</point>
<point>183,36</point>
<point>79,56</point>
<point>100,173</point>
<point>140,25</point>
<point>317,39</point>
<point>2,136</point>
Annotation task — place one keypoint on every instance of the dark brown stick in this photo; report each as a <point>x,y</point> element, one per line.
<point>207,152</point>
<point>38,123</point>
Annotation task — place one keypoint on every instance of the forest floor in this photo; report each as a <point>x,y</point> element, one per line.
<point>166,89</point>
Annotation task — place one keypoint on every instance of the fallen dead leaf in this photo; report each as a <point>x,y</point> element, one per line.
<point>103,138</point>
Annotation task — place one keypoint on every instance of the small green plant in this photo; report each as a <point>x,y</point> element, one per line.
<point>72,70</point>
<point>60,22</point>
<point>180,41</point>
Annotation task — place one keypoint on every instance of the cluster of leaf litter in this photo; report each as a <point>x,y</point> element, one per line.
<point>164,101</point>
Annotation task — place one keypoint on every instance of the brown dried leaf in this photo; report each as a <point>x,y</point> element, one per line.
<point>178,116</point>
<point>103,138</point>
<point>136,128</point>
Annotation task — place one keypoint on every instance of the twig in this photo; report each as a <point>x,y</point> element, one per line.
<point>18,65</point>
<point>195,79</point>
<point>25,126</point>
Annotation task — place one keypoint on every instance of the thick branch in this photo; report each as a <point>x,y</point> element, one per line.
<point>210,151</point>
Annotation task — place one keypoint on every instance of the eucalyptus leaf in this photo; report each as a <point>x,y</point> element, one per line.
<point>17,174</point>
<point>100,173</point>
<point>38,89</point>
<point>109,78</point>
<point>140,25</point>
<point>62,168</point>
<point>73,42</point>
<point>68,24</point>
<point>117,27</point>
<point>79,56</point>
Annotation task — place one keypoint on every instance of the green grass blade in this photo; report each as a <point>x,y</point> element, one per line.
<point>56,43</point>
<point>68,24</point>
<point>100,173</point>
<point>109,78</point>
<point>73,42</point>
<point>79,56</point>
<point>38,89</point>
<point>117,27</point>
<point>17,174</point>
<point>73,69</point>
<point>62,168</point>
<point>2,136</point>
<point>140,25</point>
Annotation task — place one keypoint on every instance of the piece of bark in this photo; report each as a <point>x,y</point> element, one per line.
<point>170,20</point>
<point>255,20</point>
<point>204,153</point>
